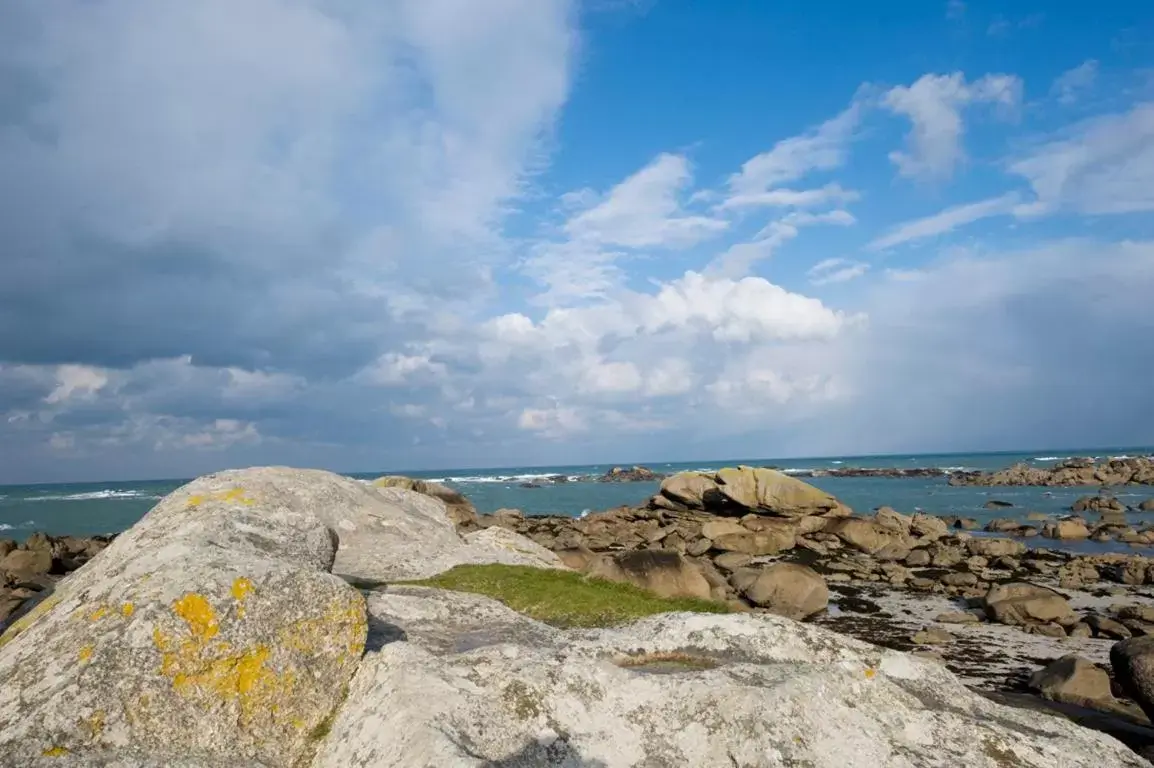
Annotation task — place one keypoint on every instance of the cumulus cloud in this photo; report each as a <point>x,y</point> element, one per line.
<point>934,104</point>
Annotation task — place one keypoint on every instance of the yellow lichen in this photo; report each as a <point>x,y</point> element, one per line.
<point>55,752</point>
<point>98,614</point>
<point>195,500</point>
<point>127,609</point>
<point>198,614</point>
<point>86,653</point>
<point>95,723</point>
<point>870,672</point>
<point>236,494</point>
<point>241,589</point>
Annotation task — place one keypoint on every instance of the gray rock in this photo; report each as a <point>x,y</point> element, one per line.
<point>1133,664</point>
<point>1105,627</point>
<point>959,579</point>
<point>662,572</point>
<point>209,632</point>
<point>788,589</point>
<point>1074,680</point>
<point>1022,603</point>
<point>918,558</point>
<point>679,689</point>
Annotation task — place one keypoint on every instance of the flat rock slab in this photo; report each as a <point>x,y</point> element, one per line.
<point>678,689</point>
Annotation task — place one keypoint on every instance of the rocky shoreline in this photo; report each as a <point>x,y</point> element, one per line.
<point>992,609</point>
<point>1066,631</point>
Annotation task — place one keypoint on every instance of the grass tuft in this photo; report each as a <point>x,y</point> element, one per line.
<point>563,598</point>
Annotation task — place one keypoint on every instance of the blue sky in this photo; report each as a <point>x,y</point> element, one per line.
<point>441,233</point>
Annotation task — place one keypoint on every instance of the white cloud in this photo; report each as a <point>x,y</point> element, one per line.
<point>1070,85</point>
<point>397,368</point>
<point>76,382</point>
<point>934,106</point>
<point>644,210</point>
<point>552,422</point>
<point>955,10</point>
<point>836,271</point>
<point>947,221</point>
<point>822,149</point>
<point>1101,166</point>
<point>805,198</point>
<point>738,260</point>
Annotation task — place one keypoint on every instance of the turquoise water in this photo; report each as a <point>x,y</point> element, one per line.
<point>90,508</point>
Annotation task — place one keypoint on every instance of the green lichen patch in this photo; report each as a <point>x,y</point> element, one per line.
<point>666,662</point>
<point>563,598</point>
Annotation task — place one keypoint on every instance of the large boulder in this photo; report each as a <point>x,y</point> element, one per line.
<point>768,491</point>
<point>22,563</point>
<point>1074,680</point>
<point>1066,529</point>
<point>662,572</point>
<point>986,546</point>
<point>789,589</point>
<point>1023,604</point>
<point>867,535</point>
<point>741,490</point>
<point>460,510</point>
<point>678,689</point>
<point>209,633</point>
<point>1133,664</point>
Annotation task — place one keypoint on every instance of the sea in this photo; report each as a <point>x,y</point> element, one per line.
<point>84,509</point>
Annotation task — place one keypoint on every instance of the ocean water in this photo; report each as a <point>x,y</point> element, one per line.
<point>91,508</point>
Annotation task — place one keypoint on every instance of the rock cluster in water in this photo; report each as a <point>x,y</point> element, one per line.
<point>1137,470</point>
<point>247,620</point>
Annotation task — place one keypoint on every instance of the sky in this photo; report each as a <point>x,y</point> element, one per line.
<point>447,233</point>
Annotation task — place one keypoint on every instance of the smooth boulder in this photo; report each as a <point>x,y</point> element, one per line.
<point>662,572</point>
<point>1022,603</point>
<point>1074,680</point>
<point>788,589</point>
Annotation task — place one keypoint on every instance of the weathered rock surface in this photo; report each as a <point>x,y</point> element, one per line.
<point>679,689</point>
<point>210,632</point>
<point>662,572</point>
<point>460,510</point>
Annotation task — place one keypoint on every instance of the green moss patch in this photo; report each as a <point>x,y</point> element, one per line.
<point>563,598</point>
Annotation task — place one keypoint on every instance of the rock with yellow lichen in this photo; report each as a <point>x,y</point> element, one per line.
<point>211,633</point>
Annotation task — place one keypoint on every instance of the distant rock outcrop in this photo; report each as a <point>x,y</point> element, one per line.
<point>1137,470</point>
<point>633,474</point>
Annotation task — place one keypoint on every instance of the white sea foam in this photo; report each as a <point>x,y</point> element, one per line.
<point>527,478</point>
<point>797,471</point>
<point>1050,458</point>
<point>95,495</point>
<point>837,462</point>
<point>11,527</point>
